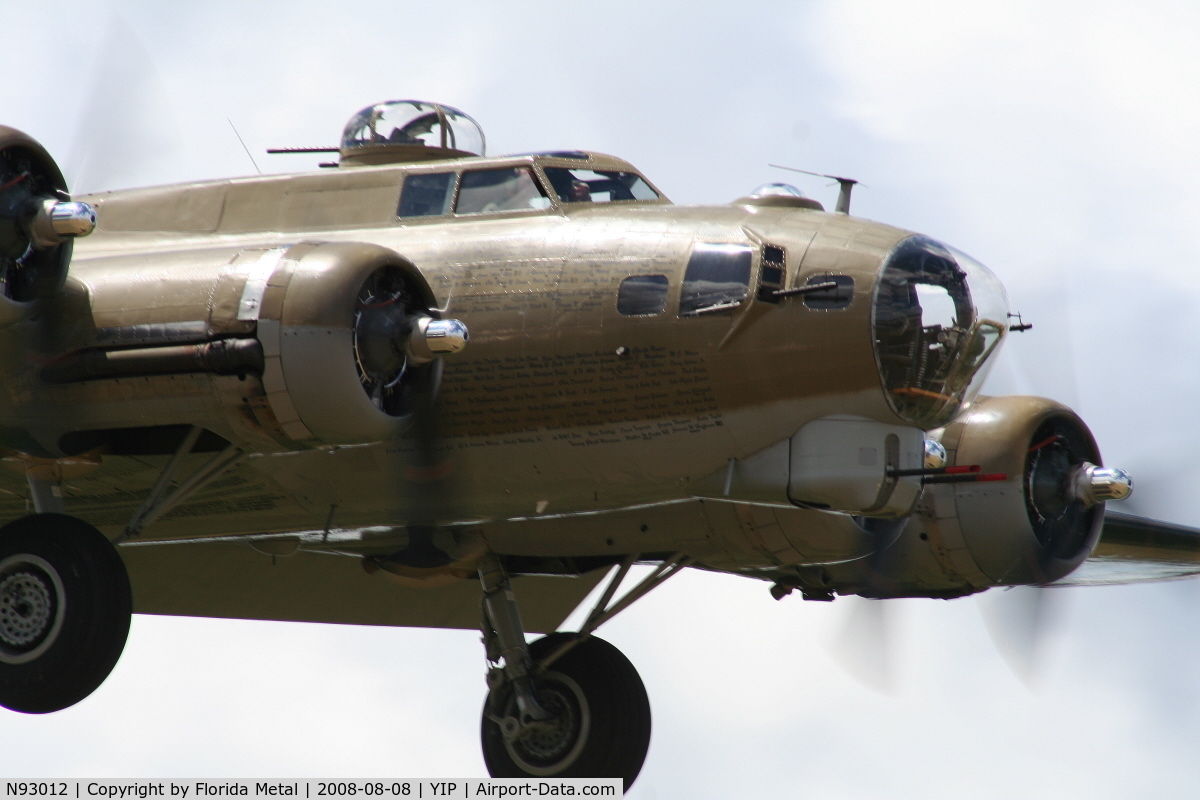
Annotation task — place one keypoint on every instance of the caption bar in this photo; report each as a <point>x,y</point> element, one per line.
<point>497,788</point>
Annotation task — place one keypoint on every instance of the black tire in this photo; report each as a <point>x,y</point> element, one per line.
<point>65,605</point>
<point>604,732</point>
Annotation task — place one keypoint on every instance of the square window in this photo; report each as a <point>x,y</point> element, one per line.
<point>642,295</point>
<point>426,194</point>
<point>489,190</point>
<point>717,277</point>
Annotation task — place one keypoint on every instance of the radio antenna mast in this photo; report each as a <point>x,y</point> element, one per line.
<point>845,186</point>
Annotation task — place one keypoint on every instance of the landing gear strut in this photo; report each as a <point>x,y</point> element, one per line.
<point>65,605</point>
<point>568,705</point>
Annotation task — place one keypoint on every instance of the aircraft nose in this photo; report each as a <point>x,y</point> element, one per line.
<point>938,317</point>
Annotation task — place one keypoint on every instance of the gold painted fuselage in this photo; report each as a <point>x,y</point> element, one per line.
<point>560,405</point>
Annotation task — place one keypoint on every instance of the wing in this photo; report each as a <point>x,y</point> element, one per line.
<point>232,580</point>
<point>1139,550</point>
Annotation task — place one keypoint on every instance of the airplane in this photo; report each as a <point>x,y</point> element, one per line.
<point>423,386</point>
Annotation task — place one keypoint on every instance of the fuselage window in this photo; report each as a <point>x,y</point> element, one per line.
<point>588,186</point>
<point>426,194</point>
<point>642,295</point>
<point>774,265</point>
<point>488,190</point>
<point>717,278</point>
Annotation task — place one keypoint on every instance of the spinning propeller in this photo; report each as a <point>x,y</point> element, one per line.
<point>1053,520</point>
<point>398,343</point>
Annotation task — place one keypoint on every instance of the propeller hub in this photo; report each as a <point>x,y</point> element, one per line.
<point>431,338</point>
<point>395,338</point>
<point>1091,484</point>
<point>56,221</point>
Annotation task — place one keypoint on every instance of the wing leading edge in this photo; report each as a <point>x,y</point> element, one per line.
<point>1135,549</point>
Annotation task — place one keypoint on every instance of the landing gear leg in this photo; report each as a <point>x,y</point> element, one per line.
<point>45,489</point>
<point>568,705</point>
<point>504,638</point>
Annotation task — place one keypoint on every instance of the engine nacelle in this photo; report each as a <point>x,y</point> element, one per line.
<point>38,222</point>
<point>1041,522</point>
<point>349,340</point>
<point>1035,518</point>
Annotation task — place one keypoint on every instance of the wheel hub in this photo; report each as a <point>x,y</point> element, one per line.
<point>547,747</point>
<point>26,608</point>
<point>32,603</point>
<point>547,740</point>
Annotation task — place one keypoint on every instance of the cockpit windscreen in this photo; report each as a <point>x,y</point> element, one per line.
<point>590,186</point>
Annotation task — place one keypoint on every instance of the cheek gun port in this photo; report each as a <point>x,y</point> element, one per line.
<point>971,473</point>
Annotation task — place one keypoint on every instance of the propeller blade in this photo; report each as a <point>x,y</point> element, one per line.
<point>123,132</point>
<point>865,644</point>
<point>399,342</point>
<point>1021,620</point>
<point>425,484</point>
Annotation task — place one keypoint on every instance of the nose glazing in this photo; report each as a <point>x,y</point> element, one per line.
<point>937,318</point>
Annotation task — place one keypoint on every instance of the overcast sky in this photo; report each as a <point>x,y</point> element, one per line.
<point>1057,142</point>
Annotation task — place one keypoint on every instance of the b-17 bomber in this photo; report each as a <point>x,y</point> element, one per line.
<point>425,386</point>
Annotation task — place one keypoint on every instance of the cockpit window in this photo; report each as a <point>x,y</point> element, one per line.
<point>717,278</point>
<point>426,194</point>
<point>938,317</point>
<point>489,190</point>
<point>642,295</point>
<point>589,186</point>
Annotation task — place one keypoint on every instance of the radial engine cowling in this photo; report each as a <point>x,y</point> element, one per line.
<point>38,222</point>
<point>351,341</point>
<point>1043,519</point>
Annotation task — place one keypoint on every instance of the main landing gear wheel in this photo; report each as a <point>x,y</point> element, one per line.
<point>600,717</point>
<point>65,606</point>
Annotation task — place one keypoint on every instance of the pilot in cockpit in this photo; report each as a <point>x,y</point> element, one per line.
<point>580,192</point>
